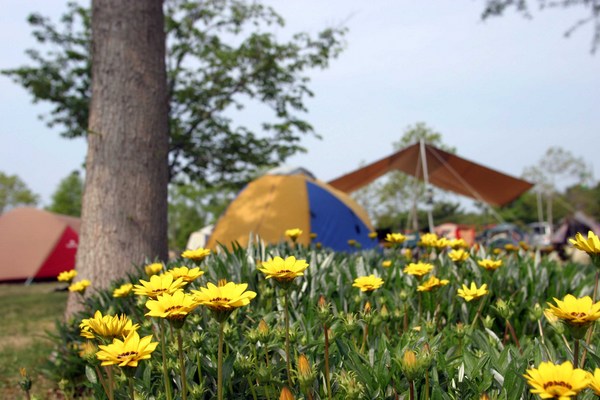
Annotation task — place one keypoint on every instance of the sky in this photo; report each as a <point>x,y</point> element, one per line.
<point>500,91</point>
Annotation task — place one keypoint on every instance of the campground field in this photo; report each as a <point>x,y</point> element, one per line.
<point>27,313</point>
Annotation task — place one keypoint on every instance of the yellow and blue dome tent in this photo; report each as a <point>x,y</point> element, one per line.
<point>287,199</point>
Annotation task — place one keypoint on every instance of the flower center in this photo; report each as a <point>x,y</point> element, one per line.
<point>220,300</point>
<point>284,271</point>
<point>156,292</point>
<point>578,314</point>
<point>172,308</point>
<point>557,387</point>
<point>127,354</point>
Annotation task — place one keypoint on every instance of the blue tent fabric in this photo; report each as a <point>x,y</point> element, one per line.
<point>329,216</point>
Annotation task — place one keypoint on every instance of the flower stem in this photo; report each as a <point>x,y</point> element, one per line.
<point>220,363</point>
<point>131,388</point>
<point>287,338</point>
<point>327,380</point>
<point>111,383</point>
<point>411,390</point>
<point>576,353</point>
<point>166,378</point>
<point>181,365</point>
<point>251,388</point>
<point>590,332</point>
<point>514,335</point>
<point>477,314</point>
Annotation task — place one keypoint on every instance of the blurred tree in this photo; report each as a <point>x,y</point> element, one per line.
<point>14,192</point>
<point>592,7</point>
<point>66,199</point>
<point>556,167</point>
<point>220,58</point>
<point>192,207</point>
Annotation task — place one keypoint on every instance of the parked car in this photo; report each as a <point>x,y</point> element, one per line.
<point>540,234</point>
<point>501,235</point>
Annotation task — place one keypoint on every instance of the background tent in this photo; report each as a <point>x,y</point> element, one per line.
<point>273,203</point>
<point>36,244</point>
<point>445,170</point>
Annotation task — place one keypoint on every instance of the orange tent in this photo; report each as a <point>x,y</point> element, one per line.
<point>36,244</point>
<point>445,170</point>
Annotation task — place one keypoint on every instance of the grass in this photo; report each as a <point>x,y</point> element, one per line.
<point>27,313</point>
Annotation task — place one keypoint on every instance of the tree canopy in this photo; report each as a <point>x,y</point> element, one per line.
<point>14,192</point>
<point>66,199</point>
<point>221,56</point>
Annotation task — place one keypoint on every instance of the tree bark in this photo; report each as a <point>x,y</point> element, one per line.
<point>124,211</point>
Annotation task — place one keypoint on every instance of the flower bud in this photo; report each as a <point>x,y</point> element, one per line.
<point>305,374</point>
<point>286,394</point>
<point>460,330</point>
<point>488,322</point>
<point>263,331</point>
<point>537,311</point>
<point>504,309</point>
<point>410,366</point>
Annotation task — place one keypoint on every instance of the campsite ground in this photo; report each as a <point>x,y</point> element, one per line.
<point>27,313</point>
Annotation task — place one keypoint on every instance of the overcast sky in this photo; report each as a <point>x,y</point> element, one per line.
<point>501,91</point>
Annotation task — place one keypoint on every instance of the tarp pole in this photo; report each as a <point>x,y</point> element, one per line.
<point>426,180</point>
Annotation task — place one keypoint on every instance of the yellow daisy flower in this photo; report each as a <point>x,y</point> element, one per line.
<point>473,292</point>
<point>372,235</point>
<point>489,264</point>
<point>395,238</point>
<point>576,311</point>
<point>418,269</point>
<point>123,291</point>
<point>283,270</point>
<point>457,243</point>
<point>127,353</point>
<point>224,298</point>
<point>158,284</point>
<point>368,283</point>
<point>428,240</point>
<point>185,273</point>
<point>174,307</point>
<point>67,276</point>
<point>153,269</point>
<point>386,263</point>
<point>458,255</point>
<point>591,245</point>
<point>80,286</point>
<point>441,243</point>
<point>553,381</point>
<point>196,255</point>
<point>293,234</point>
<point>595,381</point>
<point>432,283</point>
<point>106,326</point>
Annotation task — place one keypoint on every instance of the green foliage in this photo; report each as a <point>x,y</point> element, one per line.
<point>66,199</point>
<point>14,192</point>
<point>221,56</point>
<point>458,356</point>
<point>192,207</point>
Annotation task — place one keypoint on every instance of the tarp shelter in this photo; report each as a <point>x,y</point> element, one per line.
<point>445,170</point>
<point>273,203</point>
<point>36,244</point>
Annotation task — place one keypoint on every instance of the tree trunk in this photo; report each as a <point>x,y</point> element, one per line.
<point>124,211</point>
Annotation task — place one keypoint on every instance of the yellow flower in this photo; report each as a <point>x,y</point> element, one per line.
<point>458,255</point>
<point>428,240</point>
<point>457,243</point>
<point>123,290</point>
<point>312,235</point>
<point>127,353</point>
<point>158,284</point>
<point>352,243</point>
<point>87,349</point>
<point>224,298</point>
<point>432,283</point>
<point>489,264</point>
<point>395,238</point>
<point>595,381</point>
<point>67,276</point>
<point>106,326</point>
<point>174,306</point>
<point>386,263</point>
<point>441,243</point>
<point>293,234</point>
<point>418,269</point>
<point>472,293</point>
<point>153,269</point>
<point>408,254</point>
<point>553,381</point>
<point>511,247</point>
<point>283,270</point>
<point>185,273</point>
<point>196,255</point>
<point>576,311</point>
<point>373,235</point>
<point>591,245</point>
<point>368,283</point>
<point>79,286</point>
